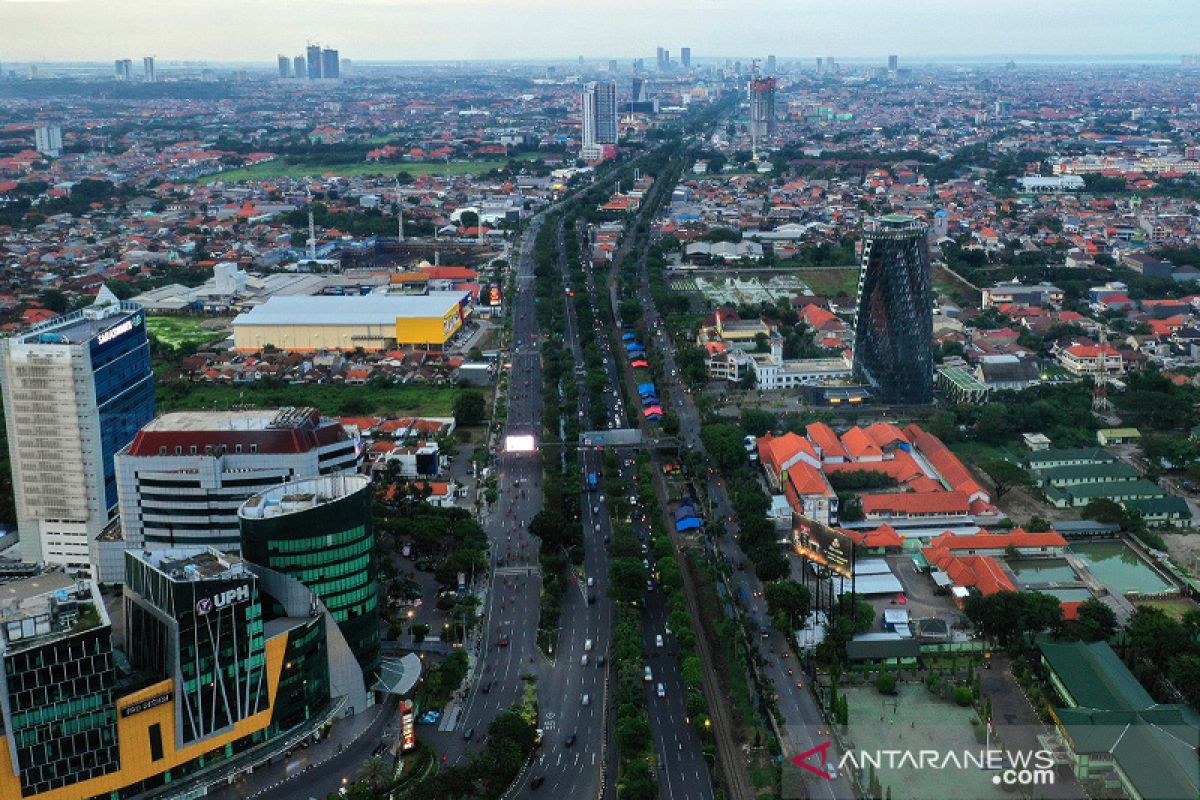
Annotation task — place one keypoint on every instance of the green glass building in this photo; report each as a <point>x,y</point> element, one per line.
<point>318,531</point>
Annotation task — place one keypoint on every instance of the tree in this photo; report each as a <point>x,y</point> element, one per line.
<point>790,598</point>
<point>1106,511</point>
<point>756,422</point>
<point>375,772</point>
<point>1005,475</point>
<point>632,734</point>
<point>54,300</point>
<point>470,408</point>
<point>1094,621</point>
<point>886,683</point>
<point>723,442</point>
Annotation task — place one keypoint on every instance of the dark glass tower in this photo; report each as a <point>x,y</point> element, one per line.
<point>319,532</point>
<point>893,326</point>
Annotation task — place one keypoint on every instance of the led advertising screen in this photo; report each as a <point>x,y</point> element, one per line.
<point>519,444</point>
<point>823,545</point>
<point>408,730</point>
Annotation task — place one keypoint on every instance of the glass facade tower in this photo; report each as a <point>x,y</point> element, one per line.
<point>893,324</point>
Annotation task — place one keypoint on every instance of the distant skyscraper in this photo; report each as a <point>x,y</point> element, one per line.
<point>893,64</point>
<point>820,66</point>
<point>285,67</point>
<point>660,64</point>
<point>685,57</point>
<point>123,69</point>
<point>637,93</point>
<point>331,67</point>
<point>599,117</point>
<point>771,65</point>
<point>830,65</point>
<point>612,65</point>
<point>762,110</point>
<point>48,140</point>
<point>148,74</point>
<point>639,65</point>
<point>893,324</point>
<point>314,61</point>
<point>666,59</point>
<point>299,67</point>
<point>77,388</point>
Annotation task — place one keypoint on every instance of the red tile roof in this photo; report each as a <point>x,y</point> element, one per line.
<point>823,437</point>
<point>912,503</point>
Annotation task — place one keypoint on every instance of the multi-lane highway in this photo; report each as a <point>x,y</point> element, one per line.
<point>800,714</point>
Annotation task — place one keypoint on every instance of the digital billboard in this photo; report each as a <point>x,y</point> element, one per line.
<point>823,545</point>
<point>408,732</point>
<point>494,297</point>
<point>520,444</point>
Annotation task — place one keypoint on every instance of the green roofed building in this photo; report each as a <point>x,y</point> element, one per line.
<point>1066,457</point>
<point>961,385</point>
<point>1117,491</point>
<point>1076,474</point>
<point>1117,735</point>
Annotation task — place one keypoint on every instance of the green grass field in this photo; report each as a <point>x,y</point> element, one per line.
<point>279,168</point>
<point>175,332</point>
<point>831,282</point>
<point>332,399</point>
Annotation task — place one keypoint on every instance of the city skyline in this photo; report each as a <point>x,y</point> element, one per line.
<point>474,30</point>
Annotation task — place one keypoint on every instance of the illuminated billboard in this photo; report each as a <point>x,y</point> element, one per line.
<point>823,545</point>
<point>523,443</point>
<point>408,730</point>
<point>494,297</point>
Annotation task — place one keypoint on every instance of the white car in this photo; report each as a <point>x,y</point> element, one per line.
<point>658,640</point>
<point>648,675</point>
<point>662,692</point>
<point>587,700</point>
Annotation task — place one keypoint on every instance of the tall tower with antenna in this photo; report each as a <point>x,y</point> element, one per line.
<point>399,214</point>
<point>312,232</point>
<point>1100,387</point>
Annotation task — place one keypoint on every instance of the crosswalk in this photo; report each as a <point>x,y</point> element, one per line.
<point>518,570</point>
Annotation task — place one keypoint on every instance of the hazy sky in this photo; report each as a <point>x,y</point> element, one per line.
<point>256,30</point>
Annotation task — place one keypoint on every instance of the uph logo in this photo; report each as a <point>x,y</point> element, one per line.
<point>204,605</point>
<point>237,594</point>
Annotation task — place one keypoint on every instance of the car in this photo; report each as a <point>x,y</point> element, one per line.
<point>831,770</point>
<point>586,700</point>
<point>649,586</point>
<point>583,659</point>
<point>591,582</point>
<point>468,734</point>
<point>600,661</point>
<point>647,675</point>
<point>591,598</point>
<point>661,691</point>
<point>658,640</point>
<point>587,646</point>
<point>503,642</point>
<point>537,782</point>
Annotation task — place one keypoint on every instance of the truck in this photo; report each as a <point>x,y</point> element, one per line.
<point>593,481</point>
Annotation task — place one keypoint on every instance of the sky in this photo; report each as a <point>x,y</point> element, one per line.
<point>258,30</point>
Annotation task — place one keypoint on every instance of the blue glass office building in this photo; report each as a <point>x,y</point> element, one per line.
<point>77,389</point>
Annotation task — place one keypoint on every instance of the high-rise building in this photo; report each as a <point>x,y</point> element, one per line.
<point>685,57</point>
<point>666,65</point>
<point>637,93</point>
<point>313,53</point>
<point>182,479</point>
<point>612,66</point>
<point>771,63</point>
<point>299,68</point>
<point>319,531</point>
<point>331,67</point>
<point>285,67</point>
<point>893,324</point>
<point>893,64</point>
<point>228,665</point>
<point>57,685</point>
<point>48,140</point>
<point>77,389</point>
<point>762,110</point>
<point>148,74</point>
<point>123,68</point>
<point>660,63</point>
<point>820,66</point>
<point>599,118</point>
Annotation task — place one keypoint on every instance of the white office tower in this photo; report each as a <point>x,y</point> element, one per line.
<point>599,107</point>
<point>48,140</point>
<point>76,390</point>
<point>182,478</point>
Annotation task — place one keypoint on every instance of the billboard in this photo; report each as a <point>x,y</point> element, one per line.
<point>494,297</point>
<point>517,443</point>
<point>408,733</point>
<point>823,545</point>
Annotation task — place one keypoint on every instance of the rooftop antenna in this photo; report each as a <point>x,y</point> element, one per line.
<point>312,230</point>
<point>399,214</point>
